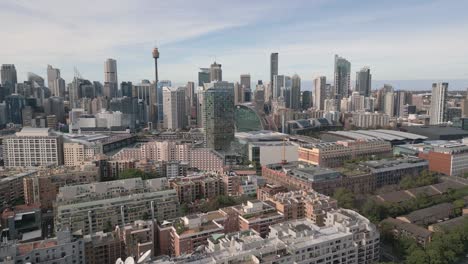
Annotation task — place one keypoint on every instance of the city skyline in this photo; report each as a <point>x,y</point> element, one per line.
<point>428,50</point>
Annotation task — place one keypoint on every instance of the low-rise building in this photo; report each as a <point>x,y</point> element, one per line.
<point>301,175</point>
<point>21,222</point>
<point>426,216</point>
<point>400,228</point>
<point>334,154</point>
<point>137,237</point>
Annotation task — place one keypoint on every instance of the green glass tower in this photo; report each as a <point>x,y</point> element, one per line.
<point>218,111</point>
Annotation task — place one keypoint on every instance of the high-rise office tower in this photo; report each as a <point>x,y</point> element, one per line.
<point>259,97</point>
<point>402,98</point>
<point>111,85</point>
<point>190,100</point>
<point>35,80</point>
<point>126,89</point>
<point>273,66</point>
<point>218,114</point>
<point>245,81</point>
<point>306,100</point>
<point>161,84</point>
<point>438,103</point>
<point>52,75</point>
<point>238,93</point>
<point>320,86</point>
<point>14,106</point>
<point>363,82</point>
<point>342,77</point>
<point>216,73</point>
<point>8,75</point>
<point>278,85</point>
<point>55,106</point>
<point>389,104</point>
<point>295,96</point>
<point>203,76</point>
<point>58,87</point>
<point>175,116</point>
<point>153,96</point>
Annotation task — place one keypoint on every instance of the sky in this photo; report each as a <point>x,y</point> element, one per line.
<point>417,40</point>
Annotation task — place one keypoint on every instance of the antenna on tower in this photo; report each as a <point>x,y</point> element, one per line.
<point>77,73</point>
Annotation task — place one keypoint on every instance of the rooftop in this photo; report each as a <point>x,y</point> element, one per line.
<point>408,227</point>
<point>421,214</point>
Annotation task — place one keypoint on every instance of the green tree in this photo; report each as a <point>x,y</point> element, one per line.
<point>418,256</point>
<point>344,197</point>
<point>458,206</point>
<point>134,173</point>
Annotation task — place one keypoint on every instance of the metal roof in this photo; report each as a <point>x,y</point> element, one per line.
<point>402,134</point>
<point>376,134</point>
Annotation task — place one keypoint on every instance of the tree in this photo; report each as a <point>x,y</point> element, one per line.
<point>134,173</point>
<point>373,211</point>
<point>344,197</point>
<point>458,206</point>
<point>417,257</point>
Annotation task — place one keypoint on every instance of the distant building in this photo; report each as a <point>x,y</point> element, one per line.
<point>438,103</point>
<point>319,92</point>
<point>174,105</point>
<point>111,85</point>
<point>203,76</point>
<point>216,73</point>
<point>306,100</point>
<point>8,76</point>
<point>342,77</point>
<point>273,66</point>
<point>363,82</point>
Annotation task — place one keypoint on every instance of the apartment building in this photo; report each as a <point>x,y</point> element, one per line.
<point>75,154</point>
<point>11,186</point>
<point>42,188</point>
<point>98,206</point>
<point>303,204</point>
<point>198,186</point>
<point>103,248</point>
<point>257,215</point>
<point>347,237</point>
<point>62,249</point>
<point>33,147</point>
<point>193,231</point>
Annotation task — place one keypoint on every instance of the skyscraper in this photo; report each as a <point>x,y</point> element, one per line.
<point>273,66</point>
<point>402,98</point>
<point>342,77</point>
<point>175,116</point>
<point>363,82</point>
<point>389,104</point>
<point>153,96</point>
<point>126,89</point>
<point>216,73</point>
<point>295,97</point>
<point>203,76</point>
<point>218,114</point>
<point>8,75</point>
<point>320,84</point>
<point>55,106</point>
<point>438,103</point>
<point>245,81</point>
<point>306,100</point>
<point>15,104</point>
<point>52,75</point>
<point>278,85</point>
<point>110,78</point>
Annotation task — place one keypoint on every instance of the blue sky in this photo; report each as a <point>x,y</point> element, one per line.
<point>399,40</point>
